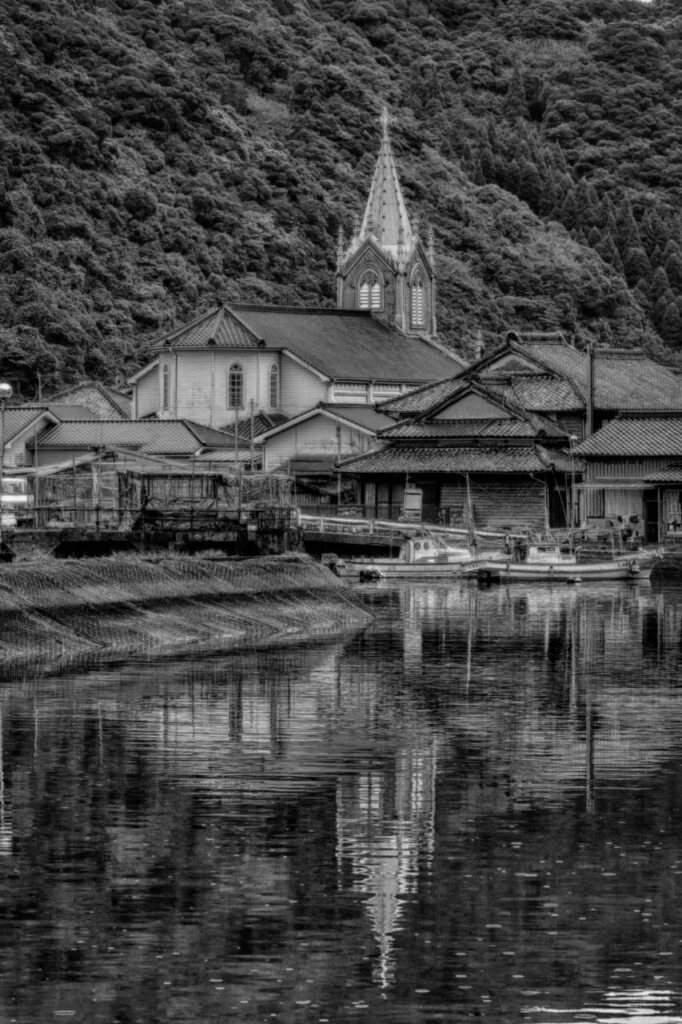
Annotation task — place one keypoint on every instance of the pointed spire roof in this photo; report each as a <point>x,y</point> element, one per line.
<point>386,216</point>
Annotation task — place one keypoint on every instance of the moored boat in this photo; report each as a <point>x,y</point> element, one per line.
<point>545,562</point>
<point>420,557</point>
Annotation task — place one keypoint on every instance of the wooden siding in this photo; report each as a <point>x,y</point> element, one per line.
<point>317,436</point>
<point>501,501</point>
<point>146,400</point>
<point>497,501</point>
<point>630,469</point>
<point>300,388</point>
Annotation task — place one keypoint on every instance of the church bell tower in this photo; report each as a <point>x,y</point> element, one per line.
<point>386,268</point>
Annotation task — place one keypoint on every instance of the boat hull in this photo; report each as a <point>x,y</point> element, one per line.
<point>491,571</point>
<point>396,569</point>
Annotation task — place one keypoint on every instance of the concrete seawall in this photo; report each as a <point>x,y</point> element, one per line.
<point>54,613</point>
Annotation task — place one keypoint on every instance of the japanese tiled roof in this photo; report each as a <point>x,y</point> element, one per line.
<point>421,399</point>
<point>102,401</point>
<point>218,327</point>
<point>17,418</point>
<point>623,378</point>
<point>670,475</point>
<point>340,344</point>
<point>363,415</point>
<point>262,422</point>
<point>529,427</point>
<point>540,392</point>
<point>494,459</point>
<point>150,436</point>
<point>637,436</point>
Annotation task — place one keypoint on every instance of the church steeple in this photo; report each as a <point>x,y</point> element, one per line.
<point>385,215</point>
<point>386,269</point>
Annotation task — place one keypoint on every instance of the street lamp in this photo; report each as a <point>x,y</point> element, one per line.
<point>6,393</point>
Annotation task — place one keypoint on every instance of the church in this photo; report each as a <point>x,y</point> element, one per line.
<point>301,383</point>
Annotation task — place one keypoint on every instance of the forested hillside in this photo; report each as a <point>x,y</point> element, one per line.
<point>159,156</point>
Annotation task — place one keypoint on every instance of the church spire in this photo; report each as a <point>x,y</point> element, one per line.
<point>387,270</point>
<point>385,216</point>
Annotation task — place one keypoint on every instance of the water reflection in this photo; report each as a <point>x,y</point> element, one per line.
<point>470,809</point>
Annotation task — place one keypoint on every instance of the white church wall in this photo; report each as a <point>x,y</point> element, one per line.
<point>300,388</point>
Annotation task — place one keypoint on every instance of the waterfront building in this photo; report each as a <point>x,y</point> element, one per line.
<point>505,435</point>
<point>633,474</point>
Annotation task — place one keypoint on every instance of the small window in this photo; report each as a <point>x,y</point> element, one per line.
<point>369,295</point>
<point>166,389</point>
<point>235,387</point>
<point>274,386</point>
<point>417,298</point>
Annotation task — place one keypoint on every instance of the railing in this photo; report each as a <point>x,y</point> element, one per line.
<point>331,524</point>
<point>192,517</point>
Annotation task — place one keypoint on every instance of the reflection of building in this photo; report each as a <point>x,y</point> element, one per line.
<point>385,830</point>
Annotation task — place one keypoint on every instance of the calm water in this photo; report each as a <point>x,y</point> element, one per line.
<point>472,809</point>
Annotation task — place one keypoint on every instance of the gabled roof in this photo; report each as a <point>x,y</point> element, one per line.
<point>637,436</point>
<point>102,401</point>
<point>362,417</point>
<point>261,422</point>
<point>150,436</point>
<point>19,418</point>
<point>340,344</point>
<point>349,345</point>
<point>423,398</point>
<point>508,427</point>
<point>219,328</point>
<point>624,379</point>
<point>492,459</point>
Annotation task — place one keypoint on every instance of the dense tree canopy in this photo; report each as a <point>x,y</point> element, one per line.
<point>161,155</point>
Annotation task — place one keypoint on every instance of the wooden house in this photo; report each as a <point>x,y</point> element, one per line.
<point>633,474</point>
<point>474,457</point>
<point>25,423</point>
<point>559,388</point>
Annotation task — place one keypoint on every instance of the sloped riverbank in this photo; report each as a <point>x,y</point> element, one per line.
<point>53,613</point>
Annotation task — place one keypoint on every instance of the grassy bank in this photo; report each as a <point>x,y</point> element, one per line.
<point>53,613</point>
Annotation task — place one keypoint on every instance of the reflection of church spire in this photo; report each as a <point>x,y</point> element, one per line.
<point>385,828</point>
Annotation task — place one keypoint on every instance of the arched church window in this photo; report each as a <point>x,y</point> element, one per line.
<point>235,387</point>
<point>369,295</point>
<point>417,300</point>
<point>166,388</point>
<point>274,386</point>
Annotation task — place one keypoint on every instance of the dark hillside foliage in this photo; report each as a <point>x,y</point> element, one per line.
<point>160,156</point>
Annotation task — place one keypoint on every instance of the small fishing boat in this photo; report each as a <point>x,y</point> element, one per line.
<point>544,561</point>
<point>427,556</point>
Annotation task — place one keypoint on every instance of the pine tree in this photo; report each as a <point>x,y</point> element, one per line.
<point>673,266</point>
<point>671,325</point>
<point>514,105</point>
<point>627,232</point>
<point>636,264</point>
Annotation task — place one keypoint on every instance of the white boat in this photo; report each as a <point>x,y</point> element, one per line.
<point>420,557</point>
<point>544,561</point>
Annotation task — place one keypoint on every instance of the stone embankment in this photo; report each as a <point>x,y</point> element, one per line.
<point>54,613</point>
